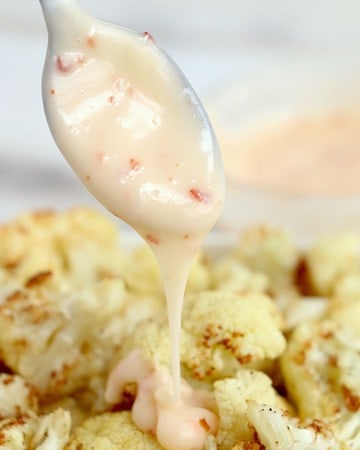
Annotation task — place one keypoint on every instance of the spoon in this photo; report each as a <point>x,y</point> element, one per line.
<point>134,131</point>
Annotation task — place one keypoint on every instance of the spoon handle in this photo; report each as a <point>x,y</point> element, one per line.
<point>48,5</point>
<point>65,20</point>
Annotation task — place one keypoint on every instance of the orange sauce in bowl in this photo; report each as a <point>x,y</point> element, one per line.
<point>313,155</point>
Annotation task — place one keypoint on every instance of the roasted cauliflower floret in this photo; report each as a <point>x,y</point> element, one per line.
<point>231,395</point>
<point>7,285</point>
<point>26,246</point>
<point>276,430</point>
<point>271,251</point>
<point>16,396</point>
<point>111,431</point>
<point>49,432</point>
<point>223,331</point>
<point>71,405</point>
<point>210,443</point>
<point>346,314</point>
<point>347,289</point>
<point>297,309</point>
<point>58,341</point>
<point>79,245</point>
<point>88,243</point>
<point>321,368</point>
<point>332,258</point>
<point>151,337</point>
<point>230,274</point>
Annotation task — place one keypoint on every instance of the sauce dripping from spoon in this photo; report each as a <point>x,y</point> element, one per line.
<point>132,128</point>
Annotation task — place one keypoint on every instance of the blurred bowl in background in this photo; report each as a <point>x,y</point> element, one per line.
<point>290,140</point>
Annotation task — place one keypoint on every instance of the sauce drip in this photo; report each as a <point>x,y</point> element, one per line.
<point>155,412</point>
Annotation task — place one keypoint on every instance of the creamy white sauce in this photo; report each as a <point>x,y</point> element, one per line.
<point>133,130</point>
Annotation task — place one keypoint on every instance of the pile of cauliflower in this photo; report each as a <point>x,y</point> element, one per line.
<point>270,330</point>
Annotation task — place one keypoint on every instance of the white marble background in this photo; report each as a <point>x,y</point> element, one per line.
<point>214,41</point>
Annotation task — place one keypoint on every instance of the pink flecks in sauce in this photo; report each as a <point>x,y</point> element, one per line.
<point>91,42</point>
<point>101,157</point>
<point>134,164</point>
<point>135,168</point>
<point>148,36</point>
<point>67,62</point>
<point>198,195</point>
<point>179,425</point>
<point>131,92</point>
<point>152,239</point>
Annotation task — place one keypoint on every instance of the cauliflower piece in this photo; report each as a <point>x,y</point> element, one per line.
<point>230,274</point>
<point>88,243</point>
<point>276,431</point>
<point>347,430</point>
<point>347,289</point>
<point>58,341</point>
<point>26,247</point>
<point>231,395</point>
<point>50,432</point>
<point>321,368</point>
<point>142,273</point>
<point>111,431</point>
<point>223,331</point>
<point>7,285</point>
<point>271,251</point>
<point>210,443</point>
<point>79,245</point>
<point>77,412</point>
<point>297,309</point>
<point>58,277</point>
<point>16,396</point>
<point>345,314</point>
<point>332,258</point>
<point>151,337</point>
